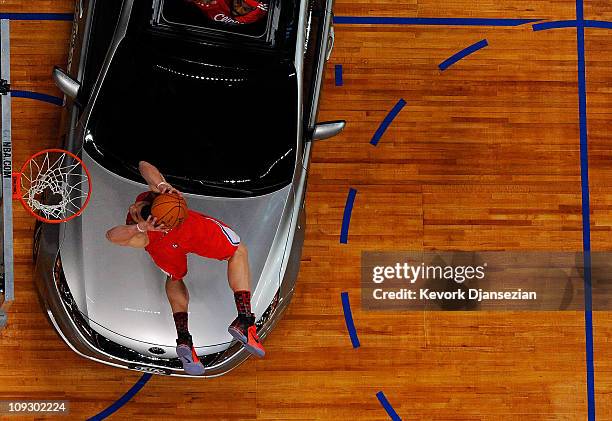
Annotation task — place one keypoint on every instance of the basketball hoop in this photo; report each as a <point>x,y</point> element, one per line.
<point>53,185</point>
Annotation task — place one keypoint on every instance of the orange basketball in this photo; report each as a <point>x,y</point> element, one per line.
<point>169,209</point>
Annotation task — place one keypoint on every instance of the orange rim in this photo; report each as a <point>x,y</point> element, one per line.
<point>30,210</point>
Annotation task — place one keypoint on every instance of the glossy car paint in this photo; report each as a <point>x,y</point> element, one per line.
<point>275,263</point>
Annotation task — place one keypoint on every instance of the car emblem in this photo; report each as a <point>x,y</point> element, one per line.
<point>157,351</point>
<point>175,246</point>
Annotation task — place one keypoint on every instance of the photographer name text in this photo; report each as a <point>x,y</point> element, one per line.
<point>459,294</point>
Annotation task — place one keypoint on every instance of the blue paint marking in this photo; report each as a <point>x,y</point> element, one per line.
<point>38,96</point>
<point>580,23</point>
<point>387,121</point>
<point>37,16</point>
<point>385,403</point>
<point>346,219</point>
<point>372,20</point>
<point>598,24</point>
<point>463,53</point>
<point>348,318</point>
<point>571,24</point>
<point>553,25</point>
<point>123,400</point>
<point>338,69</point>
<point>586,213</point>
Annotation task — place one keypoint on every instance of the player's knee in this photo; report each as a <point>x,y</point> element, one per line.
<point>241,252</point>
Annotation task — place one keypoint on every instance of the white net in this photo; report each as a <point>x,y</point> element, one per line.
<point>54,185</point>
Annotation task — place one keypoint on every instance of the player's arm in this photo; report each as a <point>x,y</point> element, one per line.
<point>134,235</point>
<point>155,179</point>
<point>128,235</point>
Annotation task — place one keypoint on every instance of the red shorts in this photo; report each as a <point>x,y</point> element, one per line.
<point>199,234</point>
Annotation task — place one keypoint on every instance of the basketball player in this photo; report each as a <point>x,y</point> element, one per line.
<point>168,247</point>
<point>233,12</point>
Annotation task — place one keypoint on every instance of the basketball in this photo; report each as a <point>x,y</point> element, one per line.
<point>169,209</point>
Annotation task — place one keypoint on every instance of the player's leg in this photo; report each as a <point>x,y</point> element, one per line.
<point>238,271</point>
<point>222,243</point>
<point>239,277</point>
<point>178,296</point>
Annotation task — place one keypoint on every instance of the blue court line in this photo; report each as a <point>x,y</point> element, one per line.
<point>554,24</point>
<point>463,53</point>
<point>124,399</point>
<point>384,20</point>
<point>586,212</point>
<point>571,24</point>
<point>338,70</point>
<point>38,97</point>
<point>346,219</point>
<point>387,121</point>
<point>348,318</point>
<point>598,24</point>
<point>580,23</point>
<point>385,403</point>
<point>37,16</point>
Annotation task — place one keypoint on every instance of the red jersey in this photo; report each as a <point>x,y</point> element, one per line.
<point>220,11</point>
<point>199,234</point>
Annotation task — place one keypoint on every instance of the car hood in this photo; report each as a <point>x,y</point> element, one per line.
<point>121,291</point>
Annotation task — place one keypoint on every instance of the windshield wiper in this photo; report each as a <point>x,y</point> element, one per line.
<point>134,170</point>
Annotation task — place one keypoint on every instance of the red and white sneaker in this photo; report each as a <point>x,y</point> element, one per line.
<point>244,330</point>
<point>190,360</point>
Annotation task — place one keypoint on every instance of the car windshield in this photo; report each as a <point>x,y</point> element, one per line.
<point>210,127</point>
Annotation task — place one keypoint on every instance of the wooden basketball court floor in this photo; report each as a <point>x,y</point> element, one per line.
<point>484,156</point>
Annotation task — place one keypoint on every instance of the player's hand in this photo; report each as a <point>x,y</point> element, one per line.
<point>135,214</point>
<point>167,188</point>
<point>151,225</point>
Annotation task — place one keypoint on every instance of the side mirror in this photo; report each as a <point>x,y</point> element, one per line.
<point>328,129</point>
<point>67,84</point>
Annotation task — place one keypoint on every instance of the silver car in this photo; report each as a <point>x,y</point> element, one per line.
<point>228,115</point>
